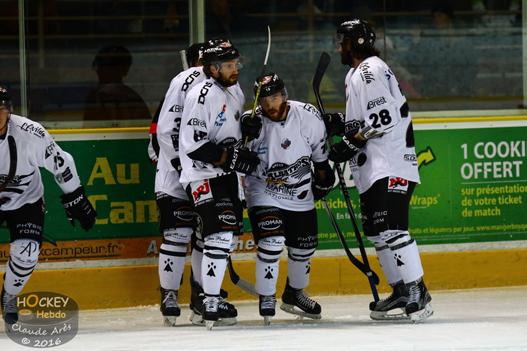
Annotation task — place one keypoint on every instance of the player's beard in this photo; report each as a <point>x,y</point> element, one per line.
<point>227,81</point>
<point>346,58</point>
<point>277,115</point>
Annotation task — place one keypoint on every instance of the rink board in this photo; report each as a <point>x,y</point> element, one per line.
<point>474,185</point>
<point>106,287</point>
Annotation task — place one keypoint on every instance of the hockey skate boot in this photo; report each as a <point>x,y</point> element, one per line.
<point>9,308</point>
<point>295,301</point>
<point>169,306</point>
<point>392,307</point>
<point>267,308</point>
<point>227,312</point>
<point>418,307</point>
<point>210,311</point>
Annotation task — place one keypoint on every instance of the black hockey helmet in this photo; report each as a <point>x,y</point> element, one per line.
<point>358,31</point>
<point>194,53</point>
<point>5,99</point>
<point>271,84</point>
<point>219,50</point>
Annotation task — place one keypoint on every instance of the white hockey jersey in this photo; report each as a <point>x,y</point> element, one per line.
<point>212,113</point>
<point>35,148</point>
<point>373,98</point>
<point>168,131</point>
<point>286,150</point>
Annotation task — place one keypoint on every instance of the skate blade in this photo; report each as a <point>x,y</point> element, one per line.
<point>387,316</point>
<point>169,321</point>
<point>296,311</point>
<point>267,320</point>
<point>196,319</point>
<point>423,314</point>
<point>209,324</point>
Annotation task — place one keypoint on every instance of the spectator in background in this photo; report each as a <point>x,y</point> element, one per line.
<point>112,99</point>
<point>443,57</point>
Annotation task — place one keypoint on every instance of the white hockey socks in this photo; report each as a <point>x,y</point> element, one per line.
<point>172,257</point>
<point>299,267</point>
<point>267,264</point>
<point>23,257</point>
<point>405,255</point>
<point>385,257</point>
<point>214,263</point>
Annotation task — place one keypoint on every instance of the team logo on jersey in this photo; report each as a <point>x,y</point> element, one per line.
<point>285,144</point>
<point>201,191</point>
<point>376,102</point>
<point>397,184</point>
<point>220,119</point>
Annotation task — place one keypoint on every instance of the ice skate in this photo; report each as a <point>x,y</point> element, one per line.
<point>267,308</point>
<point>9,308</point>
<point>391,308</point>
<point>169,306</point>
<point>227,312</point>
<point>210,311</point>
<point>295,301</point>
<point>418,307</point>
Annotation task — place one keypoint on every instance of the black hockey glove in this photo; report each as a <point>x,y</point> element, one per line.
<point>334,123</point>
<point>321,186</point>
<point>78,207</point>
<point>241,159</point>
<point>345,150</point>
<point>250,126</point>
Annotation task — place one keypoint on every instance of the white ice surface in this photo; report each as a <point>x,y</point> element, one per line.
<point>482,319</point>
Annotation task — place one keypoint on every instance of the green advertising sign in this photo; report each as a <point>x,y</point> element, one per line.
<point>473,189</point>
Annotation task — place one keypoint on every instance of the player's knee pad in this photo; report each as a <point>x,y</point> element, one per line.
<point>175,241</point>
<point>218,245</point>
<point>300,255</point>
<point>23,256</point>
<point>270,248</point>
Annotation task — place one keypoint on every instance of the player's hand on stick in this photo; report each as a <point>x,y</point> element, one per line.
<point>78,207</point>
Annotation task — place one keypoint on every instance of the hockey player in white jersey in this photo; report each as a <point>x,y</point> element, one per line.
<point>280,196</point>
<point>25,146</point>
<point>177,218</point>
<point>379,142</point>
<point>211,153</point>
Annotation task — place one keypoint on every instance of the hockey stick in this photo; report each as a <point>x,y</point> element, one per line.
<point>184,63</point>
<point>322,65</point>
<point>257,95</point>
<point>241,283</point>
<point>356,262</point>
<point>12,162</point>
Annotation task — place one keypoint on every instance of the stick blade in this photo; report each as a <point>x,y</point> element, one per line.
<point>322,66</point>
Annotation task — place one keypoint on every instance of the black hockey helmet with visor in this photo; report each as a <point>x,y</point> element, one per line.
<point>219,50</point>
<point>358,31</point>
<point>271,84</point>
<point>5,99</point>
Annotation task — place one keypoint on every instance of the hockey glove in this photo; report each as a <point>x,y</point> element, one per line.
<point>241,159</point>
<point>322,183</point>
<point>334,123</point>
<point>78,207</point>
<point>250,126</point>
<point>345,150</point>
